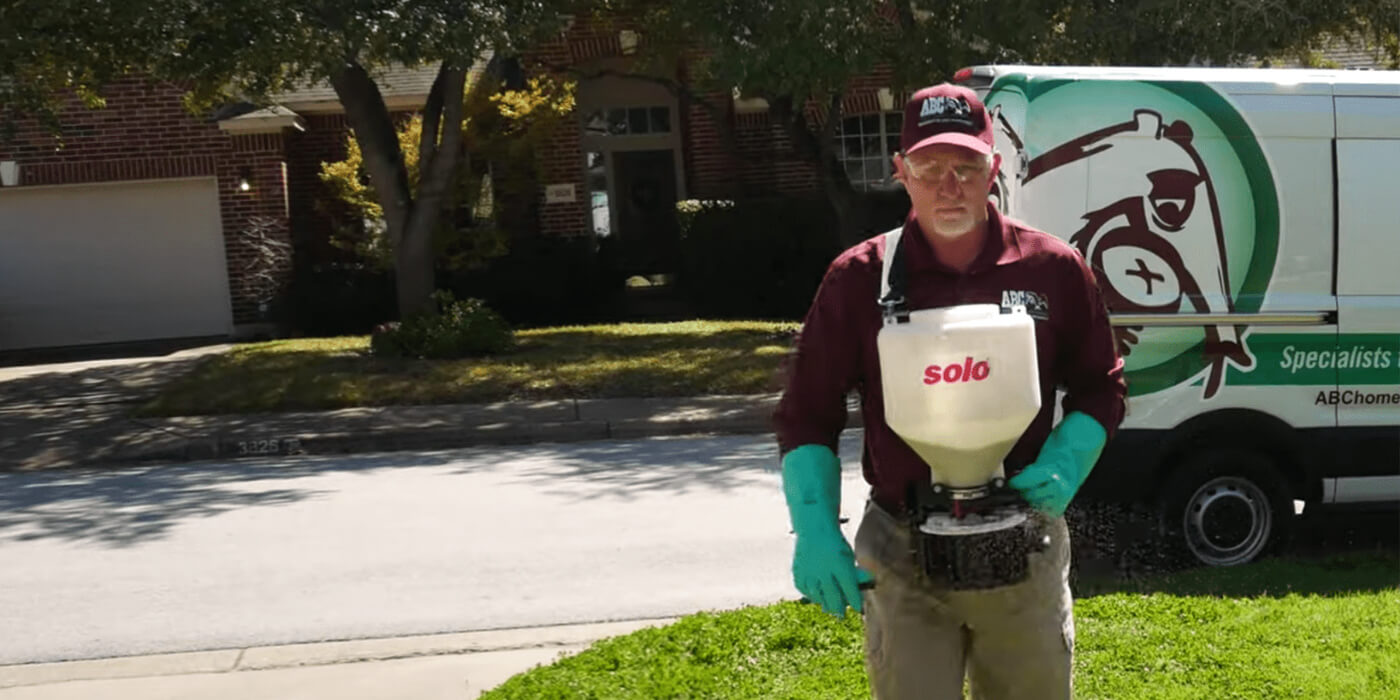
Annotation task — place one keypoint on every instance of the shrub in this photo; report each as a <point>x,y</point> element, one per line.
<point>463,328</point>
<point>548,280</point>
<point>755,258</point>
<point>337,299</point>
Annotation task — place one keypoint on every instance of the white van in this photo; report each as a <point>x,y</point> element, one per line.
<point>1244,225</point>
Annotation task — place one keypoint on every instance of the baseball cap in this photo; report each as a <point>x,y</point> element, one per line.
<point>949,114</point>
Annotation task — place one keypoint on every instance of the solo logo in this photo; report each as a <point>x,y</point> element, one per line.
<point>968,371</point>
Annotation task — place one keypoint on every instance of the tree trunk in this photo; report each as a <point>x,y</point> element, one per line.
<point>819,149</point>
<point>379,142</point>
<point>415,280</point>
<point>439,153</point>
<point>411,221</point>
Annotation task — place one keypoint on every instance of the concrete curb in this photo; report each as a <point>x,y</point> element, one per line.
<point>264,658</point>
<point>388,429</point>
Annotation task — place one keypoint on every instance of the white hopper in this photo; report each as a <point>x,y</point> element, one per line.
<point>961,384</point>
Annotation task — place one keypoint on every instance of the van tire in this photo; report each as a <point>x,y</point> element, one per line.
<point>1226,506</point>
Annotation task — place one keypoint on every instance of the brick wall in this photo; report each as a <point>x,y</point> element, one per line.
<point>262,210</point>
<point>145,133</point>
<point>322,142</point>
<point>560,160</point>
<point>765,164</point>
<point>312,209</point>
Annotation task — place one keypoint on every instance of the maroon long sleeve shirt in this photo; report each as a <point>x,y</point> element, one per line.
<point>1018,266</point>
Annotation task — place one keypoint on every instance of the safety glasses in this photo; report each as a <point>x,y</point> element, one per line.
<point>933,172</point>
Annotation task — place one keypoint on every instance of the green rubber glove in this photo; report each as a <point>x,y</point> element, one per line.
<point>1050,482</point>
<point>823,566</point>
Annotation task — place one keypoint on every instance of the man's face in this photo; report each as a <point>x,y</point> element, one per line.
<point>948,186</point>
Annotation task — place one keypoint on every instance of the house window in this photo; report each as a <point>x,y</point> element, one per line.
<point>627,121</point>
<point>864,144</point>
<point>597,174</point>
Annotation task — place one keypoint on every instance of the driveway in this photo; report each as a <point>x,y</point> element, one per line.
<point>57,415</point>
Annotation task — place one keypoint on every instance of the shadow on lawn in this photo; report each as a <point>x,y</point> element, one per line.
<point>562,364</point>
<point>1331,554</point>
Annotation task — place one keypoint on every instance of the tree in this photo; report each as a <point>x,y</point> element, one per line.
<point>251,49</point>
<point>44,53</point>
<point>500,133</point>
<point>801,55</point>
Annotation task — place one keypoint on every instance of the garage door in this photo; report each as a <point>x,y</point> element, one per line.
<point>111,263</point>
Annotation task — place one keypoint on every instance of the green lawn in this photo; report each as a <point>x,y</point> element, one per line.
<point>1274,629</point>
<point>623,360</point>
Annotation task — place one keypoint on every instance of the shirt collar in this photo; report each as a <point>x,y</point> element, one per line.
<point>1002,245</point>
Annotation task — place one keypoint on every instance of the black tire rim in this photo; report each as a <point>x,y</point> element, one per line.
<point>1228,521</point>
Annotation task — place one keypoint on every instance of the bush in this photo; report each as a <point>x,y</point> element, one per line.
<point>755,258</point>
<point>464,328</point>
<point>547,280</point>
<point>337,299</point>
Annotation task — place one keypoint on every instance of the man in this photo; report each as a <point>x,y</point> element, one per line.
<point>923,630</point>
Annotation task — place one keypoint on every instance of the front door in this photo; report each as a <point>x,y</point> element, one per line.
<point>645,211</point>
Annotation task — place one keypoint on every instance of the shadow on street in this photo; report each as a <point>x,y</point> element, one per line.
<point>131,505</point>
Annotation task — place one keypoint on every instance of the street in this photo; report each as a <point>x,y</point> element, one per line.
<point>297,549</point>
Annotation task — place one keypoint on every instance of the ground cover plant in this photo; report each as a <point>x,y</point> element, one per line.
<point>1279,628</point>
<point>605,361</point>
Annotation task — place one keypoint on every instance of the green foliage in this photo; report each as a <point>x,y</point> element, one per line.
<point>50,49</point>
<point>252,50</point>
<point>327,299</point>
<point>465,328</point>
<point>500,131</point>
<point>787,650</point>
<point>230,51</point>
<point>813,48</point>
<point>1166,644</point>
<point>755,258</point>
<point>547,280</point>
<point>630,360</point>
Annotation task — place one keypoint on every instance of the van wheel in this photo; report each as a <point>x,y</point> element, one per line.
<point>1226,507</point>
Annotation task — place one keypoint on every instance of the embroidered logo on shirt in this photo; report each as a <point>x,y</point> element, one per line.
<point>1036,305</point>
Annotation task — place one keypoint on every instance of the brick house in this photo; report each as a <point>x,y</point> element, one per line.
<point>150,223</point>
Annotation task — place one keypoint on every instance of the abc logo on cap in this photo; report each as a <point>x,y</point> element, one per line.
<point>968,371</point>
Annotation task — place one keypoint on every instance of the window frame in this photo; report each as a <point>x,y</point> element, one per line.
<point>887,133</point>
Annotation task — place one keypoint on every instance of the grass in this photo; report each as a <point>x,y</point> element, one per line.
<point>623,360</point>
<point>1275,629</point>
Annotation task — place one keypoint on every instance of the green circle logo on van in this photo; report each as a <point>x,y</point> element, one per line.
<point>1164,189</point>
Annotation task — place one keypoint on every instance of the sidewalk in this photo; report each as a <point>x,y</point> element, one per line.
<point>426,667</point>
<point>80,415</point>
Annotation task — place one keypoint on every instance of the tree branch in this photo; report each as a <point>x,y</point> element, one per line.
<point>435,174</point>
<point>905,10</point>
<point>369,118</point>
<point>432,118</point>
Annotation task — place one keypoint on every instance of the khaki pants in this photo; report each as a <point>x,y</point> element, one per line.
<point>1014,642</point>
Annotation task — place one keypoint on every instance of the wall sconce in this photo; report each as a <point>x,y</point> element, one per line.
<point>627,40</point>
<point>245,179</point>
<point>886,99</point>
<point>9,173</point>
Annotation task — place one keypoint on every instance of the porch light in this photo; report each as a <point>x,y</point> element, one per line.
<point>245,179</point>
<point>886,99</point>
<point>627,40</point>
